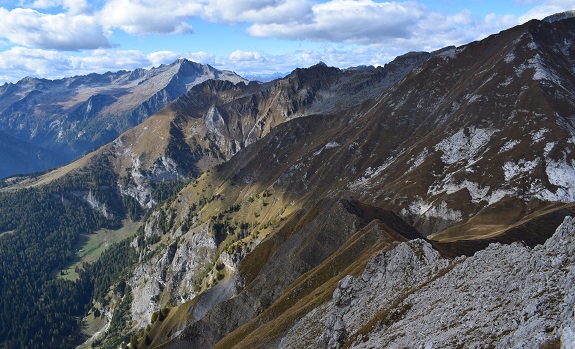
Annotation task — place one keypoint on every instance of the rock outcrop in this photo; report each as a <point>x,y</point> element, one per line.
<point>506,296</point>
<point>169,277</point>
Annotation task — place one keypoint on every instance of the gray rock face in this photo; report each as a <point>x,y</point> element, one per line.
<point>506,296</point>
<point>399,270</point>
<point>169,276</point>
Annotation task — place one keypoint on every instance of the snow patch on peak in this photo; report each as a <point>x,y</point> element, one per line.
<point>449,53</point>
<point>541,72</point>
<point>559,16</point>
<point>465,144</point>
<point>332,145</point>
<point>429,210</point>
<point>372,173</point>
<point>477,191</point>
<point>562,175</point>
<point>512,169</point>
<point>537,136</point>
<point>329,145</point>
<point>419,159</point>
<point>548,147</point>
<point>509,57</point>
<point>509,145</point>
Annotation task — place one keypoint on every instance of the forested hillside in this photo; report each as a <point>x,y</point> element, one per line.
<point>39,230</point>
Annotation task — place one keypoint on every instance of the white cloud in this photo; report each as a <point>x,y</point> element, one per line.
<point>355,32</point>
<point>169,17</point>
<point>61,31</point>
<point>259,11</point>
<point>248,63</point>
<point>71,6</point>
<point>18,62</point>
<point>107,60</point>
<point>149,16</point>
<point>464,17</point>
<point>201,57</point>
<point>163,57</point>
<point>167,57</point>
<point>245,56</point>
<point>408,25</point>
<point>397,26</point>
<point>359,22</point>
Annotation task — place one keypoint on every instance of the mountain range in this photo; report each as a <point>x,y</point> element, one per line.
<point>425,203</point>
<point>69,117</point>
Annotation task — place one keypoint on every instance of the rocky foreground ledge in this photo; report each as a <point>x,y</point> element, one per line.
<point>506,296</point>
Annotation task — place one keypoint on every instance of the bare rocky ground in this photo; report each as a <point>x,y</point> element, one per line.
<point>506,296</point>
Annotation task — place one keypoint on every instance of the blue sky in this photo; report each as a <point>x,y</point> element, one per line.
<point>59,38</point>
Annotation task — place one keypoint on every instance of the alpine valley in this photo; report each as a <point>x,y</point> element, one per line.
<point>427,203</point>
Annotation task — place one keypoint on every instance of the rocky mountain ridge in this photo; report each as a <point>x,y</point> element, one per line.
<point>74,115</point>
<point>437,149</point>
<point>217,118</point>
<point>524,300</point>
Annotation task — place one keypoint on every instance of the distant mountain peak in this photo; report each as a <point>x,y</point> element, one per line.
<point>315,71</point>
<point>77,114</point>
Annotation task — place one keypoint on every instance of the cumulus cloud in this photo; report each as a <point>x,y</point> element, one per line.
<point>260,63</point>
<point>61,31</point>
<point>360,22</point>
<point>169,17</point>
<point>354,32</point>
<point>243,56</point>
<point>201,57</point>
<point>71,6</point>
<point>149,16</point>
<point>163,57</point>
<point>394,25</point>
<point>18,62</point>
<point>259,11</point>
<point>363,22</point>
<point>348,21</point>
<point>107,60</point>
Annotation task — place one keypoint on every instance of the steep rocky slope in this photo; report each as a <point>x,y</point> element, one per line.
<point>74,115</point>
<point>480,128</point>
<point>474,146</point>
<point>506,296</point>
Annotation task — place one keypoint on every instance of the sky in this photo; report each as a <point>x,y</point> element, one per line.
<point>60,38</point>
